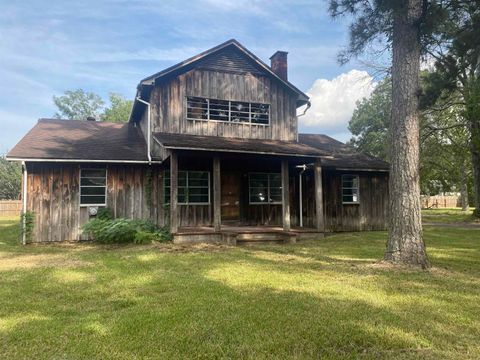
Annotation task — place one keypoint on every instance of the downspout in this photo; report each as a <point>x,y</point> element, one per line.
<point>149,134</point>
<point>309,105</point>
<point>24,199</point>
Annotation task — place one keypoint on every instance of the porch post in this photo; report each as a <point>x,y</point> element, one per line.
<point>320,222</point>
<point>217,215</point>
<point>173,192</point>
<point>285,196</point>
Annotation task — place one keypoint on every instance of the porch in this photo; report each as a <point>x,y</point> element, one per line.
<point>237,235</point>
<point>242,198</point>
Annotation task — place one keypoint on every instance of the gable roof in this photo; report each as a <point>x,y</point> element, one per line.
<point>75,140</point>
<point>342,156</point>
<point>255,64</point>
<point>238,145</point>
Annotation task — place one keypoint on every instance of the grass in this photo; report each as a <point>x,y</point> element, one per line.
<point>448,216</point>
<point>328,298</point>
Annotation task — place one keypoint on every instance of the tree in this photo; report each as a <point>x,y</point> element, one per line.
<point>457,72</point>
<point>78,104</point>
<point>444,160</point>
<point>403,25</point>
<point>370,121</point>
<point>10,179</point>
<point>119,110</point>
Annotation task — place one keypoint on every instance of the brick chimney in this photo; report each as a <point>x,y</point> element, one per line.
<point>279,64</point>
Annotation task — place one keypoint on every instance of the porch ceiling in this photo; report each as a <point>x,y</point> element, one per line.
<point>222,144</point>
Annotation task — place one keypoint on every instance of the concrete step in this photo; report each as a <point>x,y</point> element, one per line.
<point>265,237</point>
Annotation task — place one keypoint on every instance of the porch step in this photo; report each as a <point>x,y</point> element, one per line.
<point>265,237</point>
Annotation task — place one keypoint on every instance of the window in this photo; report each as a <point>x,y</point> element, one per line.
<point>265,188</point>
<point>93,189</point>
<point>350,186</point>
<point>193,187</point>
<point>226,110</point>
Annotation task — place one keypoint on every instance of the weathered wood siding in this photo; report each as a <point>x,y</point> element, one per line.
<point>53,195</point>
<point>369,214</point>
<point>168,101</point>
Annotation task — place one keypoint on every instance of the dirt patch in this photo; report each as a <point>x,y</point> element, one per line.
<point>12,262</point>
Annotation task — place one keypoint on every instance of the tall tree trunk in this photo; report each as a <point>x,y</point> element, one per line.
<point>405,241</point>
<point>463,187</point>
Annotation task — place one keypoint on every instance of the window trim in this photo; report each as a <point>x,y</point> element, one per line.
<point>229,109</point>
<point>268,189</point>
<point>80,187</point>
<point>199,187</point>
<point>357,188</point>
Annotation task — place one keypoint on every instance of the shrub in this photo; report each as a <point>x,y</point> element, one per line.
<point>110,231</point>
<point>105,214</point>
<point>122,230</point>
<point>143,237</point>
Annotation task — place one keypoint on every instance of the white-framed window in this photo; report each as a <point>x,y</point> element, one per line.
<point>193,187</point>
<point>227,111</point>
<point>93,187</point>
<point>350,189</point>
<point>265,188</point>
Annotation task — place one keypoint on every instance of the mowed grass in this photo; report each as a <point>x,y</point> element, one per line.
<point>325,298</point>
<point>448,216</point>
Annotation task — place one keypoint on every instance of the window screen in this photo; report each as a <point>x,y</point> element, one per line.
<point>193,187</point>
<point>265,188</point>
<point>350,189</point>
<point>93,189</point>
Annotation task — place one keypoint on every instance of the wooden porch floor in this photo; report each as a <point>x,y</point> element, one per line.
<point>243,234</point>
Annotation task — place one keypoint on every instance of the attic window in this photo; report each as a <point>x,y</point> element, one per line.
<point>227,111</point>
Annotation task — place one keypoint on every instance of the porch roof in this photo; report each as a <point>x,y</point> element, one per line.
<point>75,140</point>
<point>239,145</point>
<point>342,156</point>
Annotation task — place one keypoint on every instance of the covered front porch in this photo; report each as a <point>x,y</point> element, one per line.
<point>241,197</point>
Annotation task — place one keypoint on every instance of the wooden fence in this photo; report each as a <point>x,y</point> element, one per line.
<point>10,207</point>
<point>433,202</point>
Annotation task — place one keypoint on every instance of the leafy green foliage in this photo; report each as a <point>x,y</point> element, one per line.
<point>78,105</point>
<point>27,221</point>
<point>119,110</point>
<point>105,213</point>
<point>370,121</point>
<point>110,231</point>
<point>10,179</point>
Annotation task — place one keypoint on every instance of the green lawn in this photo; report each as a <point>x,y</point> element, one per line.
<point>448,216</point>
<point>318,299</point>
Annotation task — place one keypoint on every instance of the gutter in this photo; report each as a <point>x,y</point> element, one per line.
<point>149,132</point>
<point>82,160</point>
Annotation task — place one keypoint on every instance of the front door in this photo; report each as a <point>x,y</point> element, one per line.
<point>230,195</point>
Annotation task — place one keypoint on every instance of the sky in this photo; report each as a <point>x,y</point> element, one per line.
<point>48,47</point>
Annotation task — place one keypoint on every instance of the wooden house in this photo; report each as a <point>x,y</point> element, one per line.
<point>211,149</point>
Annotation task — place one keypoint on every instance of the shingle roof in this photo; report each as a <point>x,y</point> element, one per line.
<point>342,155</point>
<point>81,139</point>
<point>216,143</point>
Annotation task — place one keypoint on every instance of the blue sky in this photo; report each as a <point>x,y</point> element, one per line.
<point>51,46</point>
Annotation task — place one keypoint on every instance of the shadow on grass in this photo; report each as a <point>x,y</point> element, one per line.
<point>239,303</point>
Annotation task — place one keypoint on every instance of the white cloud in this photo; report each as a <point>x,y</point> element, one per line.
<point>333,101</point>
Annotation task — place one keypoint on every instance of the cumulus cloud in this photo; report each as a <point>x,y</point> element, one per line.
<point>333,101</point>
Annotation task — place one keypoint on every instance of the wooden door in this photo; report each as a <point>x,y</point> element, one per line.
<point>230,195</point>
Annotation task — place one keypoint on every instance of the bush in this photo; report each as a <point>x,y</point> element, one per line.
<point>107,231</point>
<point>105,214</point>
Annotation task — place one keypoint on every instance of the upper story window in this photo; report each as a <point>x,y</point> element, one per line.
<point>93,187</point>
<point>225,110</point>
<point>350,189</point>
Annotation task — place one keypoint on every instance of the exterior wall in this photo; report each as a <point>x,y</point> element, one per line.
<point>169,104</point>
<point>372,211</point>
<point>53,195</point>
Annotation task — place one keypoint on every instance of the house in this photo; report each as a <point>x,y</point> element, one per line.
<point>211,149</point>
